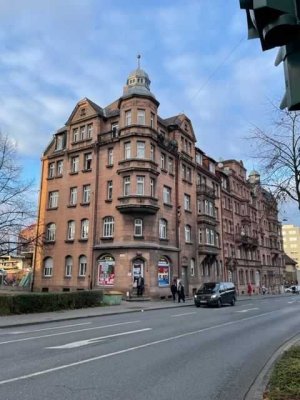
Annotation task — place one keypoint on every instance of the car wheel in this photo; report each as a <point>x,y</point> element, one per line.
<point>197,305</point>
<point>219,303</point>
<point>232,301</point>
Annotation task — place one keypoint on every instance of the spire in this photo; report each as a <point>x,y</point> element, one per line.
<point>138,61</point>
<point>138,81</point>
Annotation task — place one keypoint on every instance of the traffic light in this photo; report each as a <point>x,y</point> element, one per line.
<point>290,56</point>
<point>274,22</point>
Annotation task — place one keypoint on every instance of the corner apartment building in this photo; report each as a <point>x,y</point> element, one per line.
<point>252,240</point>
<point>125,193</point>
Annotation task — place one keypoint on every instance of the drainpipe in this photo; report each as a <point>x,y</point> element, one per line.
<point>177,217</point>
<point>94,217</point>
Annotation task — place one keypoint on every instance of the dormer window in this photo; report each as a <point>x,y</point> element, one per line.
<point>199,158</point>
<point>60,142</point>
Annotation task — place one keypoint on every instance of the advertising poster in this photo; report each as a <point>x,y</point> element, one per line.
<point>163,273</point>
<point>106,272</point>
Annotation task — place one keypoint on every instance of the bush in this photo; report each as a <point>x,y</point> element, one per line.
<point>42,302</point>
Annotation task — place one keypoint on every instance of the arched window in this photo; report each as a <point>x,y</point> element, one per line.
<point>68,266</point>
<point>82,266</point>
<point>84,232</point>
<point>108,226</point>
<point>163,225</point>
<point>106,270</point>
<point>71,230</point>
<point>48,266</point>
<point>50,232</point>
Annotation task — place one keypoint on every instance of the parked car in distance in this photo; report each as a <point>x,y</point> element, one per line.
<point>216,294</point>
<point>292,289</point>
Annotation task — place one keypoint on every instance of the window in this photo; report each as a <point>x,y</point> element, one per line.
<point>59,167</point>
<point>127,118</point>
<point>74,164</point>
<point>126,186</point>
<point>140,149</point>
<point>53,199</point>
<point>108,227</point>
<point>187,233</point>
<point>73,196</point>
<point>162,161</point>
<point>86,194</point>
<point>171,165</point>
<point>138,227</point>
<point>71,230</point>
<point>109,190</point>
<point>48,266</point>
<point>199,158</point>
<point>189,174</point>
<point>140,185</point>
<point>187,202</point>
<point>68,266</point>
<point>51,170</point>
<point>141,117</point>
<point>152,187</point>
<point>162,229</point>
<point>167,195</point>
<point>60,142</point>
<point>152,116</point>
<point>84,229</point>
<point>200,236</point>
<point>152,152</point>
<point>50,232</point>
<point>82,133</point>
<point>192,267</point>
<point>89,132</point>
<point>88,161</point>
<point>110,157</point>
<point>82,266</point>
<point>127,150</point>
<point>114,129</point>
<point>75,135</point>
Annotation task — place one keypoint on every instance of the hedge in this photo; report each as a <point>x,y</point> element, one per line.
<point>42,302</point>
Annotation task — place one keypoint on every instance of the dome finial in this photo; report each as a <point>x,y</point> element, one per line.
<point>138,58</point>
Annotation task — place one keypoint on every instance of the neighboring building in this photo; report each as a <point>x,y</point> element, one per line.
<point>125,192</point>
<point>290,274</point>
<point>291,244</point>
<point>252,242</point>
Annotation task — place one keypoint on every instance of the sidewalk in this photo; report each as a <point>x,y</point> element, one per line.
<point>124,307</point>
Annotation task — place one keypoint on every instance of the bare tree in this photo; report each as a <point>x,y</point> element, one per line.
<point>16,205</point>
<point>277,152</point>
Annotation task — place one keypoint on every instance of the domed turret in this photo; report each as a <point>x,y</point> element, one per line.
<point>138,82</point>
<point>254,177</point>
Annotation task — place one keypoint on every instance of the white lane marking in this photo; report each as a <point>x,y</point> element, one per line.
<point>183,314</point>
<point>246,305</point>
<point>291,302</point>
<point>66,333</point>
<point>142,346</point>
<point>249,309</point>
<point>48,329</point>
<point>81,343</point>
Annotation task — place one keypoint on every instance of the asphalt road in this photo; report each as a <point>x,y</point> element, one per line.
<point>183,353</point>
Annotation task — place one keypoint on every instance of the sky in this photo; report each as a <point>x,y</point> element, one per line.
<point>196,52</point>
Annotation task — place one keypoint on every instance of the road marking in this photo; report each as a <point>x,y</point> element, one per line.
<point>47,329</point>
<point>246,305</point>
<point>129,349</point>
<point>183,314</point>
<point>66,333</point>
<point>249,309</point>
<point>81,343</point>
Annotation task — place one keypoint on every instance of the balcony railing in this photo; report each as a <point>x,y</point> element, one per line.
<point>246,240</point>
<point>204,189</point>
<point>208,249</point>
<point>138,204</point>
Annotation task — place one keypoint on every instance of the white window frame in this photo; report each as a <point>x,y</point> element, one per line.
<point>51,170</point>
<point>75,164</point>
<point>140,185</point>
<point>127,150</point>
<point>128,118</point>
<point>140,149</point>
<point>187,202</point>
<point>141,117</point>
<point>73,196</point>
<point>138,227</point>
<point>48,267</point>
<point>88,161</point>
<point>86,194</point>
<point>152,187</point>
<point>108,227</point>
<point>163,229</point>
<point>126,186</point>
<point>152,152</point>
<point>89,131</point>
<point>162,161</point>
<point>53,199</point>
<point>82,266</point>
<point>82,132</point>
<point>167,195</point>
<point>109,190</point>
<point>187,234</point>
<point>51,232</point>
<point>110,156</point>
<point>68,266</point>
<point>71,230</point>
<point>84,230</point>
<point>59,167</point>
<point>75,135</point>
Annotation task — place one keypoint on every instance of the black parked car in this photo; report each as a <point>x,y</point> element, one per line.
<point>215,293</point>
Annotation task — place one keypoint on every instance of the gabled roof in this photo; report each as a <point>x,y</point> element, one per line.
<point>289,260</point>
<point>96,108</point>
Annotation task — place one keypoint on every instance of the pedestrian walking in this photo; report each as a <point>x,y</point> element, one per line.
<point>180,292</point>
<point>140,285</point>
<point>249,289</point>
<point>174,290</point>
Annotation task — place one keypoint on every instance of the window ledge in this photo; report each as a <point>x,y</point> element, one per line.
<point>164,239</point>
<point>168,205</point>
<point>107,238</point>
<point>71,205</point>
<point>136,237</point>
<point>109,165</point>
<point>52,208</point>
<point>164,170</point>
<point>83,240</point>
<point>81,277</point>
<point>74,173</point>
<point>86,170</point>
<point>49,242</point>
<point>69,241</point>
<point>108,201</point>
<point>85,204</point>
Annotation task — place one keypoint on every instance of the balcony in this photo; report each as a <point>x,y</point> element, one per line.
<point>137,204</point>
<point>208,249</point>
<point>206,219</point>
<point>138,164</point>
<point>246,240</point>
<point>205,190</point>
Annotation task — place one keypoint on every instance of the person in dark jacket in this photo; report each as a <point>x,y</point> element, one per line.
<point>140,285</point>
<point>174,289</point>
<point>180,291</point>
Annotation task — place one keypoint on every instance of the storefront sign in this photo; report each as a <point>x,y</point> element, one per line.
<point>163,274</point>
<point>106,272</point>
